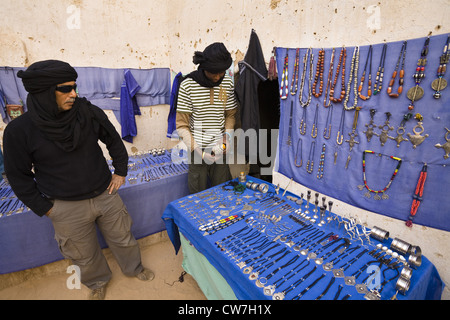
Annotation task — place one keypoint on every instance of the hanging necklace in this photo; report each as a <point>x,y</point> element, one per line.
<point>299,149</point>
<point>294,82</point>
<point>369,84</point>
<point>416,138</point>
<point>327,130</point>
<point>401,75</point>
<point>329,81</point>
<point>380,72</point>
<point>321,163</point>
<point>383,191</point>
<point>353,78</point>
<point>342,59</point>
<point>417,91</point>
<point>314,127</point>
<point>353,135</point>
<point>340,133</point>
<point>401,130</point>
<point>417,197</point>
<point>310,162</point>
<point>303,122</point>
<point>318,78</point>
<point>284,78</point>
<point>289,141</point>
<point>440,83</point>
<point>308,55</point>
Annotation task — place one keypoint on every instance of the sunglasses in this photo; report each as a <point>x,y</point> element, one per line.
<point>67,88</point>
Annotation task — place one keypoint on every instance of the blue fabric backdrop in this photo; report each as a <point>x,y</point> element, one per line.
<point>342,183</point>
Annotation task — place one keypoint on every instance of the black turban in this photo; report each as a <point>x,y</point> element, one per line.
<point>66,128</point>
<point>42,75</point>
<point>215,58</point>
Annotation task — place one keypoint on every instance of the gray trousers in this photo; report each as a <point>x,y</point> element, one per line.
<point>75,232</point>
<point>201,176</point>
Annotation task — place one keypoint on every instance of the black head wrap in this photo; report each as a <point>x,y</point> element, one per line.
<point>42,75</point>
<point>66,128</point>
<point>215,59</point>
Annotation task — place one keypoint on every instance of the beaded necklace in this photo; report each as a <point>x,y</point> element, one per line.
<point>417,92</point>
<point>382,191</point>
<point>380,72</point>
<point>321,163</point>
<point>342,59</point>
<point>294,82</point>
<point>440,83</point>
<point>369,84</point>
<point>308,55</point>
<point>329,81</point>
<point>284,78</point>
<point>417,197</point>
<point>318,78</point>
<point>353,75</point>
<point>401,75</point>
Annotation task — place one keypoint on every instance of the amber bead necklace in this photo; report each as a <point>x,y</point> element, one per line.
<point>401,74</point>
<point>342,58</point>
<point>380,72</point>
<point>329,81</point>
<point>353,79</point>
<point>318,78</point>
<point>440,83</point>
<point>369,84</point>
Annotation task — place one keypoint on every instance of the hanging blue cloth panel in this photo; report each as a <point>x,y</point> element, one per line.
<point>101,86</point>
<point>129,107</point>
<point>342,183</point>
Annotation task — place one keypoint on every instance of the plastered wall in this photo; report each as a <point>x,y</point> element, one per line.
<point>150,33</point>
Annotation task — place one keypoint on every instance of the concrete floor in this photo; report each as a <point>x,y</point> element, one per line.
<point>50,282</point>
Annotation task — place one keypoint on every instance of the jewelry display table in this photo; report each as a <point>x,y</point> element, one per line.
<point>278,246</point>
<point>27,240</point>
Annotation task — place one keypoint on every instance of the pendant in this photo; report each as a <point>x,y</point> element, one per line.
<point>269,290</point>
<point>328,266</point>
<point>259,283</point>
<point>438,85</point>
<point>253,276</point>
<point>350,280</point>
<point>415,93</point>
<point>384,196</point>
<point>278,296</point>
<point>385,130</point>
<point>370,126</point>
<point>338,273</point>
<point>416,138</point>
<point>445,146</point>
<point>361,288</point>
<point>376,197</point>
<point>367,194</point>
<point>399,138</point>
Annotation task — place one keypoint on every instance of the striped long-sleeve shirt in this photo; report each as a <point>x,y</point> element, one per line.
<point>206,108</point>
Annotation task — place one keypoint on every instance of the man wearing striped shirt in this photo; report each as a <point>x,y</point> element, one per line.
<point>206,109</point>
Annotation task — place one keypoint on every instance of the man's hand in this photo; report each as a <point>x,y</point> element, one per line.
<point>116,182</point>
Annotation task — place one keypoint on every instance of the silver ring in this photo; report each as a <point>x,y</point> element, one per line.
<point>415,261</point>
<point>263,188</point>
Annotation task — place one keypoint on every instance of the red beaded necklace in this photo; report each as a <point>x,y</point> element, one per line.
<point>318,78</point>
<point>342,58</point>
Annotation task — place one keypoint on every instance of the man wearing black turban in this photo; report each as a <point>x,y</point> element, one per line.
<point>56,167</point>
<point>205,118</point>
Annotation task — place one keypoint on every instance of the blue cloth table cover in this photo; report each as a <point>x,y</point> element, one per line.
<point>185,215</point>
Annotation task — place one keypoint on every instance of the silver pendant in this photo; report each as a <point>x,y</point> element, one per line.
<point>376,197</point>
<point>278,296</point>
<point>269,290</point>
<point>338,273</point>
<point>253,276</point>
<point>327,266</point>
<point>446,145</point>
<point>350,280</point>
<point>416,138</point>
<point>399,138</point>
<point>361,288</point>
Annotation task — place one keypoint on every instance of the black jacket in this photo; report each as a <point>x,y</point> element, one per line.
<point>38,170</point>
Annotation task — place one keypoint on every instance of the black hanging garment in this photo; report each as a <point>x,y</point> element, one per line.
<point>257,96</point>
